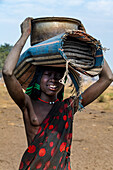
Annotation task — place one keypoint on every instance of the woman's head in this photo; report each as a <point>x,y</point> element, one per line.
<point>46,79</point>
<point>49,83</point>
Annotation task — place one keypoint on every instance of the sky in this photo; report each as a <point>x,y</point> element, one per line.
<point>96,16</point>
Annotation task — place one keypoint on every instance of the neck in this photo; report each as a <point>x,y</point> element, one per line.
<point>48,102</point>
<point>48,98</point>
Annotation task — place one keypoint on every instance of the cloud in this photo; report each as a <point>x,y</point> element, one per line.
<point>51,6</point>
<point>44,2</point>
<point>17,1</point>
<point>34,8</point>
<point>74,3</point>
<point>64,3</point>
<point>47,3</point>
<point>104,7</point>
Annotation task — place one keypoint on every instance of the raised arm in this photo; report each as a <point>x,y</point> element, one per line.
<point>96,89</point>
<point>13,86</point>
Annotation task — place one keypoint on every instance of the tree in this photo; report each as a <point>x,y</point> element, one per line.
<point>4,51</point>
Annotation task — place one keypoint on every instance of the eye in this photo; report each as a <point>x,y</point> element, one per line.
<point>59,75</point>
<point>47,73</point>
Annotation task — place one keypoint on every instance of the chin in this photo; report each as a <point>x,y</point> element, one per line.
<point>52,93</point>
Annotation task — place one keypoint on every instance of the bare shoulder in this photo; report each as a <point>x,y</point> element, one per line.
<point>28,111</point>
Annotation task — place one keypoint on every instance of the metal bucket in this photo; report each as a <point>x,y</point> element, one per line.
<point>48,27</point>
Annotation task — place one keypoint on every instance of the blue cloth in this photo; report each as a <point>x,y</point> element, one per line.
<point>53,52</point>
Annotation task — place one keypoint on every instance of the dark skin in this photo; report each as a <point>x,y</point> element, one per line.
<point>38,110</point>
<point>35,111</point>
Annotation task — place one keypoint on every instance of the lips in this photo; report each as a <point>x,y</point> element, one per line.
<point>52,87</point>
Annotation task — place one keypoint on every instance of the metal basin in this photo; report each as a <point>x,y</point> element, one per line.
<point>48,27</point>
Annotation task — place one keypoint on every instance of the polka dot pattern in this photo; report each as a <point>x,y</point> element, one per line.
<point>31,148</point>
<point>70,114</point>
<point>54,167</point>
<point>53,151</point>
<point>65,106</point>
<point>52,141</point>
<point>61,110</point>
<point>64,117</point>
<point>66,125</point>
<point>42,134</point>
<point>57,117</point>
<point>46,120</point>
<point>67,149</point>
<point>58,135</point>
<point>47,165</point>
<point>62,147</point>
<point>39,130</point>
<point>51,144</point>
<point>51,127</point>
<point>60,160</point>
<point>39,165</point>
<point>42,152</point>
<point>21,165</point>
<point>69,166</point>
<point>46,126</point>
<point>27,162</point>
<point>62,165</point>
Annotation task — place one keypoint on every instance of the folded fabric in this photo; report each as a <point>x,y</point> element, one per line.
<point>82,52</point>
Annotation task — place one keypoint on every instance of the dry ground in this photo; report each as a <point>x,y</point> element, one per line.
<point>92,147</point>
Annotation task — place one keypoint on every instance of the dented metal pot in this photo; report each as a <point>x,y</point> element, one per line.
<point>48,27</point>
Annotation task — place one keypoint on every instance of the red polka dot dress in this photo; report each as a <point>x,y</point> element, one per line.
<point>50,149</point>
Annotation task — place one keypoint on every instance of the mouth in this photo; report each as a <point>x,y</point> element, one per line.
<point>52,87</point>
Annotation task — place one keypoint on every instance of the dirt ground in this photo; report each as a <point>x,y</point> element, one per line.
<point>92,146</point>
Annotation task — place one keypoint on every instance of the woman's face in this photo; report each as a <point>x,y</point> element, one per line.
<point>50,81</point>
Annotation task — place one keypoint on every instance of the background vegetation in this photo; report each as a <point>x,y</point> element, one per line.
<point>4,50</point>
<point>105,99</point>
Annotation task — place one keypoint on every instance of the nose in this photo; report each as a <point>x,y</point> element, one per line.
<point>53,77</point>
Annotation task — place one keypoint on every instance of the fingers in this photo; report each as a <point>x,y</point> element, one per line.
<point>28,19</point>
<point>26,26</point>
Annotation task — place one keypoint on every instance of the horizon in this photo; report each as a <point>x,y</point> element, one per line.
<point>96,16</point>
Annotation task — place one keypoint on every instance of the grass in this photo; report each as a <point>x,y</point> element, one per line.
<point>101,98</point>
<point>110,95</point>
<point>107,95</point>
<point>103,102</point>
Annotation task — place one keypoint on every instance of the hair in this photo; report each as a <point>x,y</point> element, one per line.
<point>34,90</point>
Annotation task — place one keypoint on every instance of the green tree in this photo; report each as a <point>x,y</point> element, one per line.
<point>4,51</point>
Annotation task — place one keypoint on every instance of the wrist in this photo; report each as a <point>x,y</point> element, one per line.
<point>24,37</point>
<point>25,34</point>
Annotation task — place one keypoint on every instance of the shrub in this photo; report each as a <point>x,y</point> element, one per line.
<point>101,98</point>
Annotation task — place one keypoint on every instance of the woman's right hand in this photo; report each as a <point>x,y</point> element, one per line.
<point>13,86</point>
<point>26,26</point>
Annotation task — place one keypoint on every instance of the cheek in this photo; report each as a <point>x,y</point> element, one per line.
<point>43,83</point>
<point>44,80</point>
<point>60,87</point>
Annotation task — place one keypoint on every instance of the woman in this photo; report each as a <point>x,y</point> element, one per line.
<point>48,121</point>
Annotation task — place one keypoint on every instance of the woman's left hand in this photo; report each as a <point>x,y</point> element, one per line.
<point>26,26</point>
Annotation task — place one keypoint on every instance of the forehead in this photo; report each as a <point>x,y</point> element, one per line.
<point>54,69</point>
